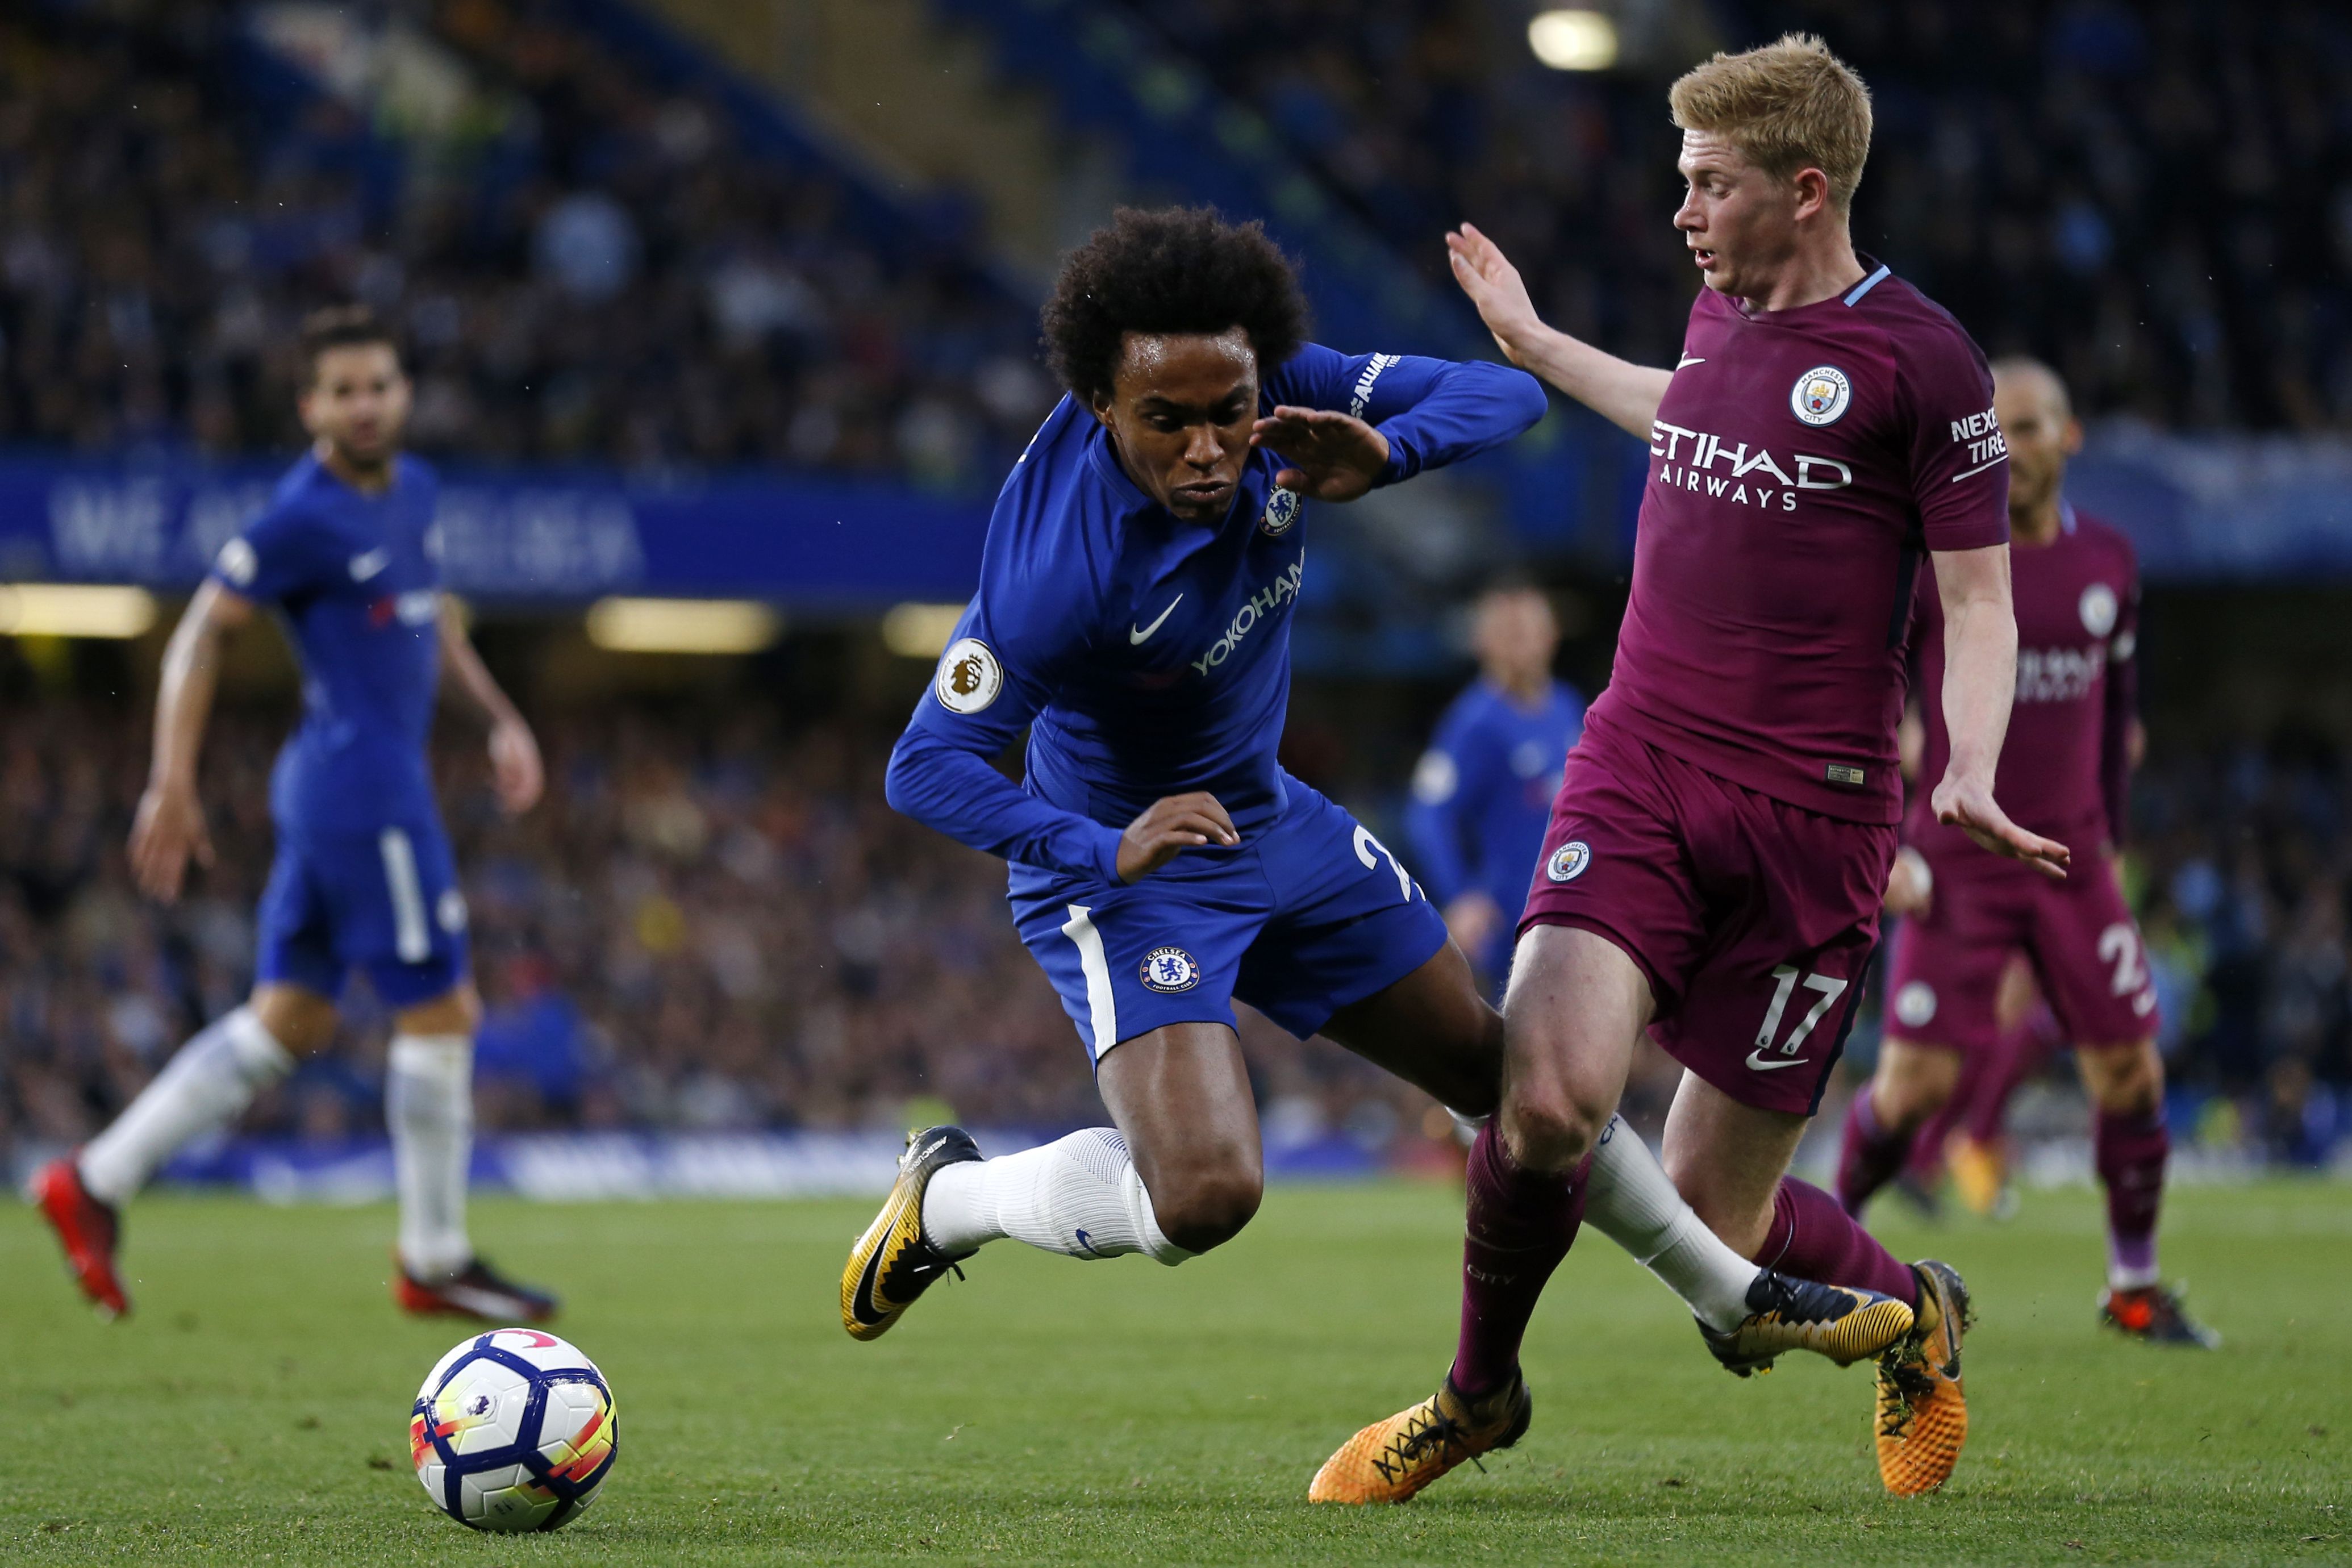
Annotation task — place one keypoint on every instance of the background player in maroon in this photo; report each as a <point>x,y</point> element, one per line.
<point>2065,770</point>
<point>1722,838</point>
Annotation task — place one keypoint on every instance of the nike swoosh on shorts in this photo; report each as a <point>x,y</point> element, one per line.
<point>1770,1067</point>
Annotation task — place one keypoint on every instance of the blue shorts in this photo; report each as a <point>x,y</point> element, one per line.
<point>385,902</point>
<point>1309,916</point>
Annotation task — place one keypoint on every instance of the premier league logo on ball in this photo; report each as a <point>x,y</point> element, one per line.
<point>1820,395</point>
<point>1170,969</point>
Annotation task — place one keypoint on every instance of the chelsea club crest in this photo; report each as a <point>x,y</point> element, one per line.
<point>1170,969</point>
<point>1281,511</point>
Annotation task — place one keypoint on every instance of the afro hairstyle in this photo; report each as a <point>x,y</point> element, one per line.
<point>1169,269</point>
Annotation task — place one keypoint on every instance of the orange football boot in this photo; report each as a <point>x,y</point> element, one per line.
<point>1922,1414</point>
<point>1391,1460</point>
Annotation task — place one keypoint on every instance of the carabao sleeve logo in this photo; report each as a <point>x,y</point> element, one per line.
<point>969,678</point>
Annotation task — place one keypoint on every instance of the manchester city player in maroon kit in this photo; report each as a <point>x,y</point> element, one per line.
<point>2065,771</point>
<point>1723,832</point>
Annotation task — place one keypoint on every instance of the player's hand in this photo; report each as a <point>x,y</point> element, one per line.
<point>1967,804</point>
<point>515,767</point>
<point>1496,287</point>
<point>1331,456</point>
<point>167,830</point>
<point>1168,827</point>
<point>1473,918</point>
<point>1910,885</point>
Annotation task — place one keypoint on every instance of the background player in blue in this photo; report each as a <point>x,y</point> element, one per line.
<point>1481,792</point>
<point>347,554</point>
<point>1141,567</point>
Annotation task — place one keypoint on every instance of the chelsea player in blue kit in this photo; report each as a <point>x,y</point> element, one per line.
<point>1481,792</point>
<point>347,553</point>
<point>1141,571</point>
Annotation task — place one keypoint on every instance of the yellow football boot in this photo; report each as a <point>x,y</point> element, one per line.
<point>1839,1322</point>
<point>1391,1460</point>
<point>1922,1416</point>
<point>892,1264</point>
<point>1981,1174</point>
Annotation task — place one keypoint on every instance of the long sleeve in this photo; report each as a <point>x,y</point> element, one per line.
<point>1432,411</point>
<point>960,793</point>
<point>2115,722</point>
<point>1443,796</point>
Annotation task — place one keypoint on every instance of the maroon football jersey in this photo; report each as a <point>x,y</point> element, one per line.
<point>2077,628</point>
<point>1800,463</point>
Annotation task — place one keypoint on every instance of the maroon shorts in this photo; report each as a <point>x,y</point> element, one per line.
<point>1753,919</point>
<point>2078,935</point>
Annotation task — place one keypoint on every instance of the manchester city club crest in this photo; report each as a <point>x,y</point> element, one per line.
<point>1915,1004</point>
<point>1568,862</point>
<point>1281,511</point>
<point>1820,395</point>
<point>2097,609</point>
<point>1170,969</point>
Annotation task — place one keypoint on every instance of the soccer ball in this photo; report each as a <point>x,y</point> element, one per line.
<point>514,1430</point>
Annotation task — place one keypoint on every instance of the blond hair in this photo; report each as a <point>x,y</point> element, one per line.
<point>1786,106</point>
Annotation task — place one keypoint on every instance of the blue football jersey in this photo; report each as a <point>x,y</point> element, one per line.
<point>357,580</point>
<point>1483,791</point>
<point>1150,657</point>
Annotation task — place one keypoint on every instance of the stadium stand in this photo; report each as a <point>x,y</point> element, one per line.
<point>2096,182</point>
<point>589,261</point>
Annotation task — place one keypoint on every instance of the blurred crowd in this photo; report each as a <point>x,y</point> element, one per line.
<point>587,261</point>
<point>713,921</point>
<point>2158,198</point>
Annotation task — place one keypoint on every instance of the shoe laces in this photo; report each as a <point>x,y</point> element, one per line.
<point>1423,1432</point>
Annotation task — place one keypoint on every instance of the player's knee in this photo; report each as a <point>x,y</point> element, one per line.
<point>1912,1083</point>
<point>2123,1079</point>
<point>1552,1129</point>
<point>1209,1206</point>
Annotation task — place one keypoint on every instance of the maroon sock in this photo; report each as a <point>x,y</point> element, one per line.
<point>1924,1163</point>
<point>2017,1052</point>
<point>1519,1226</point>
<point>1813,1238</point>
<point>2131,1149</point>
<point>1870,1156</point>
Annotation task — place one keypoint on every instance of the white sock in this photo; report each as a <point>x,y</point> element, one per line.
<point>215,1076</point>
<point>1080,1196</point>
<point>428,1100</point>
<point>1632,1202</point>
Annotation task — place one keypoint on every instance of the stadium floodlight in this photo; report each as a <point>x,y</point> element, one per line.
<point>1573,41</point>
<point>74,610</point>
<point>919,631</point>
<point>683,625</point>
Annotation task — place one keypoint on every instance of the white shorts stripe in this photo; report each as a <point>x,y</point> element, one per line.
<point>410,939</point>
<point>1080,929</point>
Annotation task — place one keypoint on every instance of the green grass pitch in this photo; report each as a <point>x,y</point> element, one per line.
<point>1053,1411</point>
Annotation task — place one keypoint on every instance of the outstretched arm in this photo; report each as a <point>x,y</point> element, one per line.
<point>1979,682</point>
<point>1624,394</point>
<point>514,753</point>
<point>1345,423</point>
<point>170,825</point>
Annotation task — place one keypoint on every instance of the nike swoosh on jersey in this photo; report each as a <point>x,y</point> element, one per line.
<point>1688,361</point>
<point>369,562</point>
<point>1769,1067</point>
<point>1137,638</point>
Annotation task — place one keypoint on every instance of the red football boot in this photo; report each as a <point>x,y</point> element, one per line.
<point>477,1291</point>
<point>87,1229</point>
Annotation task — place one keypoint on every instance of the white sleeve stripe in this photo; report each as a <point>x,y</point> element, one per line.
<point>1980,467</point>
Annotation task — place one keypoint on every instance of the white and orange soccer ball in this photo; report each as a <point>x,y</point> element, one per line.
<point>514,1430</point>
